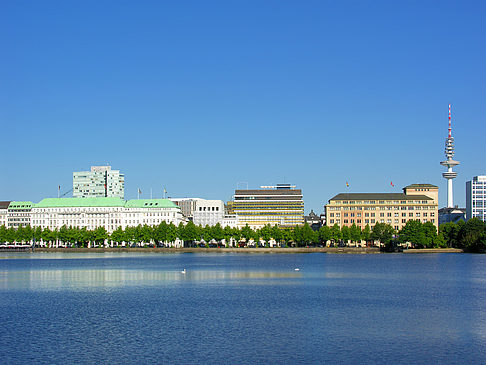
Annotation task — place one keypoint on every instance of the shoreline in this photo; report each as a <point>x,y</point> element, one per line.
<point>290,250</point>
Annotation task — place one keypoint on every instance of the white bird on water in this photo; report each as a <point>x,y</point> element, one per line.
<point>297,269</point>
<point>183,271</point>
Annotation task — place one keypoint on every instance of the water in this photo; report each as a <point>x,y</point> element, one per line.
<point>242,309</point>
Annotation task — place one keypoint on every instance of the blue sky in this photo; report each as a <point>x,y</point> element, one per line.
<point>198,96</point>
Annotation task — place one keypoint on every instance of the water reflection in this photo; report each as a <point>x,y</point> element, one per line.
<point>112,278</point>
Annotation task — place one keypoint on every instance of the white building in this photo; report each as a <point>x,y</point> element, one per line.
<point>111,213</point>
<point>19,214</point>
<point>476,198</point>
<point>101,181</point>
<point>230,220</point>
<point>3,213</point>
<point>208,212</point>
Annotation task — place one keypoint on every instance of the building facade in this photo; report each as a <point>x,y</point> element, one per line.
<point>100,182</point>
<point>110,213</point>
<point>19,214</point>
<point>280,205</point>
<point>3,213</point>
<point>476,198</point>
<point>208,212</point>
<point>187,205</point>
<point>417,202</point>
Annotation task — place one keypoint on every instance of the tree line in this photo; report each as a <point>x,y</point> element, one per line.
<point>470,235</point>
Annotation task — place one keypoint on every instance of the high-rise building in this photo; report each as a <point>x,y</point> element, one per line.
<point>417,202</point>
<point>280,205</point>
<point>476,198</point>
<point>100,182</point>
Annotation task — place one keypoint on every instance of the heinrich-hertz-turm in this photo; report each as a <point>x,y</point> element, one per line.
<point>449,163</point>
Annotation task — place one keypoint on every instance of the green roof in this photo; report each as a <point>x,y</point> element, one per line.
<point>80,202</point>
<point>20,205</point>
<point>103,202</point>
<point>150,203</point>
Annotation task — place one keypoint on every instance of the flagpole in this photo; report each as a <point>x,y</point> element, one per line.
<point>150,193</point>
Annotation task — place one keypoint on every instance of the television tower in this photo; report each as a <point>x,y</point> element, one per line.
<point>449,163</point>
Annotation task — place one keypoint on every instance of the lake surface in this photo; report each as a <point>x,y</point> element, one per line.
<point>129,308</point>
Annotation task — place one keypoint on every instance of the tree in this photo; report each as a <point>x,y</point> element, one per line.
<point>366,233</point>
<point>217,232</point>
<point>171,232</point>
<point>160,233</point>
<point>3,234</point>
<point>336,233</point>
<point>277,233</point>
<point>307,234</point>
<point>100,235</point>
<point>118,235</point>
<point>450,232</point>
<point>324,234</point>
<point>265,233</point>
<point>473,235</point>
<point>190,232</point>
<point>355,233</point>
<point>382,232</point>
<point>247,233</point>
<point>346,233</point>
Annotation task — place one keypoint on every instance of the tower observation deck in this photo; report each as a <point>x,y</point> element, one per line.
<point>449,163</point>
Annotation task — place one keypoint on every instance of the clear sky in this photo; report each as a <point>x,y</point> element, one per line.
<point>197,96</point>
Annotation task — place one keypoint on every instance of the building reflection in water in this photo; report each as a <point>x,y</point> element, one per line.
<point>79,279</point>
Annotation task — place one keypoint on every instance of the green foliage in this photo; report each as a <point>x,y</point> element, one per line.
<point>472,235</point>
<point>355,233</point>
<point>382,232</point>
<point>336,233</point>
<point>421,235</point>
<point>346,234</point>
<point>366,233</point>
<point>324,234</point>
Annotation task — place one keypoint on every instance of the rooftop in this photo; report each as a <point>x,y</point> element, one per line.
<point>379,196</point>
<point>104,202</point>
<point>421,186</point>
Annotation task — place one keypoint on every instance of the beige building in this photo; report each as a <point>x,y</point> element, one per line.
<point>417,202</point>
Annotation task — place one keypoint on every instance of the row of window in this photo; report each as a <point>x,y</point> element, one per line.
<point>396,214</point>
<point>374,221</point>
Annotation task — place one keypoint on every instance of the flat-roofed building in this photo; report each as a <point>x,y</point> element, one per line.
<point>19,214</point>
<point>208,212</point>
<point>417,202</point>
<point>100,182</point>
<point>111,213</point>
<point>280,205</point>
<point>476,198</point>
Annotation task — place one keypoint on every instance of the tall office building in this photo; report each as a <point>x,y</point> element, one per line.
<point>476,198</point>
<point>281,205</point>
<point>100,182</point>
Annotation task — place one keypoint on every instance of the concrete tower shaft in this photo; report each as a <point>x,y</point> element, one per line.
<point>449,163</point>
